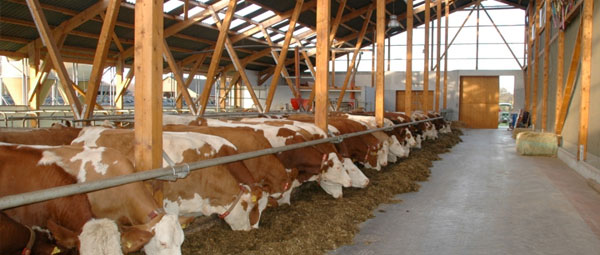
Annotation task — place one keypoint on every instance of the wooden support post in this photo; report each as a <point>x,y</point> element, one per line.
<point>125,84</point>
<point>447,12</point>
<point>119,82</point>
<point>530,54</point>
<point>284,72</point>
<point>148,67</point>
<point>547,28</point>
<point>297,70</point>
<point>359,41</point>
<point>425,101</point>
<point>321,84</point>
<point>570,82</point>
<point>181,88</point>
<point>216,57</point>
<point>332,68</point>
<point>560,66</point>
<point>373,60</point>
<point>33,53</point>
<point>283,54</point>
<point>536,72</point>
<point>409,37</point>
<point>379,89</point>
<point>439,44</point>
<point>57,61</point>
<point>234,81</point>
<point>100,57</point>
<point>586,72</point>
<point>186,8</point>
<point>337,21</point>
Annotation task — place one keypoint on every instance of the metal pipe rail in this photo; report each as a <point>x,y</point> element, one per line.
<point>172,173</point>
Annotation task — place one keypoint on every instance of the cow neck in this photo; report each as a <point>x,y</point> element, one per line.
<point>237,199</point>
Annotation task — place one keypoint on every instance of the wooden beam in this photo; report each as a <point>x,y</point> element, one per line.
<point>438,59</point>
<point>119,78</point>
<point>100,57</point>
<point>535,75</point>
<point>338,19</point>
<point>586,74</point>
<point>447,12</point>
<point>530,54</point>
<point>238,65</point>
<point>380,86</point>
<point>323,48</point>
<point>234,81</point>
<point>546,66</point>
<point>125,84</point>
<point>560,66</point>
<point>353,61</point>
<point>57,61</point>
<point>148,67</point>
<point>33,62</point>
<point>214,60</point>
<point>570,82</point>
<point>284,72</point>
<point>283,54</point>
<point>409,42</point>
<point>178,77</point>
<point>425,100</point>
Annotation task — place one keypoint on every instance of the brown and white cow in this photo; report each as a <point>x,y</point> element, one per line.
<point>55,135</point>
<point>441,125</point>
<point>430,132</point>
<point>68,219</point>
<point>227,190</point>
<point>316,163</point>
<point>275,178</point>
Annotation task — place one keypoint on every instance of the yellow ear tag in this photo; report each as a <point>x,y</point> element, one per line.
<point>254,198</point>
<point>128,244</point>
<point>56,250</point>
<point>183,226</point>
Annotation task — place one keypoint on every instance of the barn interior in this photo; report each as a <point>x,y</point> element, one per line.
<point>502,154</point>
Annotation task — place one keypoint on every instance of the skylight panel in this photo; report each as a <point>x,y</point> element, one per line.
<point>194,11</point>
<point>130,1</point>
<point>301,30</point>
<point>236,22</point>
<point>245,28</point>
<point>276,37</point>
<point>263,16</point>
<point>210,20</point>
<point>248,9</point>
<point>171,5</point>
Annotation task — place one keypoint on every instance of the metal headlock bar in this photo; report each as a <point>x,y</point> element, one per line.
<point>169,173</point>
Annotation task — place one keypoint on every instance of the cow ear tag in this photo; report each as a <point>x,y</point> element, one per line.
<point>56,250</point>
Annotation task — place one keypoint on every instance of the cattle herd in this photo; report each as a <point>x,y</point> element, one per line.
<point>149,215</point>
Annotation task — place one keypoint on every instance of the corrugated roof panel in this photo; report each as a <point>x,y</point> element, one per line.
<point>18,31</point>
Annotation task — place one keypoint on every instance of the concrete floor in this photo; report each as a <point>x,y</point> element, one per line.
<point>483,198</point>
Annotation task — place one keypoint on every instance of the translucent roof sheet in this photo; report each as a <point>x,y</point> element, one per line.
<point>263,16</point>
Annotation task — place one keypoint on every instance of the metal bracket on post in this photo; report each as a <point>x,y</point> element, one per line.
<point>176,174</point>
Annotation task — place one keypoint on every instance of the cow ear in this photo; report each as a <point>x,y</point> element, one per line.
<point>134,238</point>
<point>64,237</point>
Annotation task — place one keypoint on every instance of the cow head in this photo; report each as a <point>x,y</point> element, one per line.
<point>358,178</point>
<point>333,189</point>
<point>168,237</point>
<point>100,236</point>
<point>334,171</point>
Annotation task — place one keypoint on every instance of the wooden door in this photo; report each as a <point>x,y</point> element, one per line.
<point>417,100</point>
<point>479,98</point>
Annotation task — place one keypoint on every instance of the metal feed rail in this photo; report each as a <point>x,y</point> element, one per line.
<point>168,173</point>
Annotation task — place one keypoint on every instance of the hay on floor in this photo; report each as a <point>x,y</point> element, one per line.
<point>537,144</point>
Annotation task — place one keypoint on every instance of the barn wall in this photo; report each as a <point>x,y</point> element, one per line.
<point>570,131</point>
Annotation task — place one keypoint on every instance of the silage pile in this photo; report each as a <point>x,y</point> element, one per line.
<point>315,222</point>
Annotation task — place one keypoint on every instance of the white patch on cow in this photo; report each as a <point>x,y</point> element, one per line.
<point>262,205</point>
<point>88,136</point>
<point>411,139</point>
<point>100,236</point>
<point>333,189</point>
<point>359,180</point>
<point>418,140</point>
<point>446,129</point>
<point>168,237</point>
<point>92,156</point>
<point>39,147</point>
<point>49,158</point>
<point>285,197</point>
<point>178,119</point>
<point>175,143</point>
<point>382,154</point>
<point>115,162</point>
<point>336,173</point>
<point>333,129</point>
<point>270,132</point>
<point>238,218</point>
<point>392,158</point>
